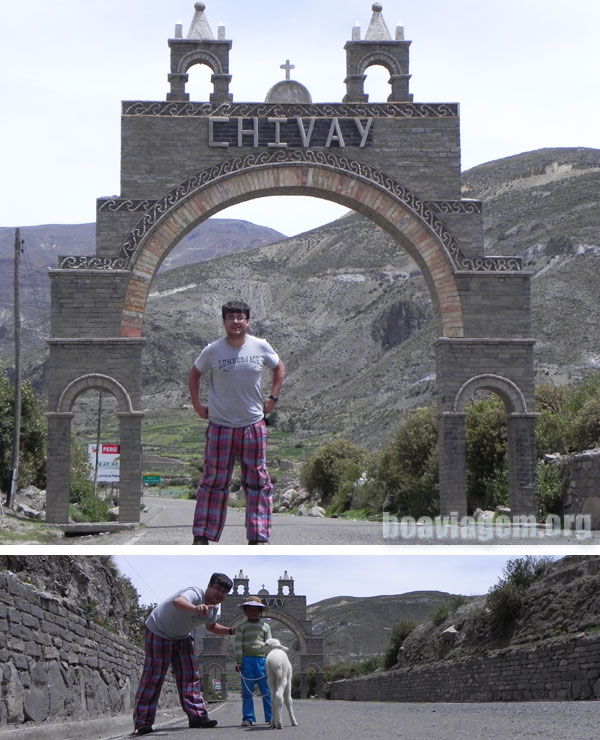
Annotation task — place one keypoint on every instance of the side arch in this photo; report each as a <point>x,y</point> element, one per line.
<point>323,175</point>
<point>509,392</point>
<point>94,381</point>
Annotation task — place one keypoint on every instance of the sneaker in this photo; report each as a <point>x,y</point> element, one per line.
<point>257,542</point>
<point>144,730</point>
<point>246,723</point>
<point>203,722</point>
<point>200,540</point>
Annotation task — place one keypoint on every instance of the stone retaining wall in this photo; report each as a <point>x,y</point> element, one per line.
<point>56,664</point>
<point>563,668</point>
<point>582,486</point>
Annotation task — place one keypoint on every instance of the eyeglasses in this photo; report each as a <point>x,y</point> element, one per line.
<point>235,317</point>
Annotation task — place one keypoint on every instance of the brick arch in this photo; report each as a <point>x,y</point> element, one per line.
<point>511,395</point>
<point>369,192</point>
<point>94,381</point>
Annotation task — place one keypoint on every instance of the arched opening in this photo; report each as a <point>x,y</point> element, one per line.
<point>60,427</point>
<point>199,85</point>
<point>496,404</point>
<point>420,233</point>
<point>377,84</point>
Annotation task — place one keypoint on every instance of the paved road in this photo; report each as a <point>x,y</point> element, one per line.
<point>357,720</point>
<point>169,522</point>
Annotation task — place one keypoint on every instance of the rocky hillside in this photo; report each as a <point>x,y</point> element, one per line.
<point>351,315</point>
<point>564,600</point>
<point>92,583</point>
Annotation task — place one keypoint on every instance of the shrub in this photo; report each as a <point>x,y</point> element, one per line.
<point>332,471</point>
<point>486,438</point>
<point>406,476</point>
<point>505,599</point>
<point>400,631</point>
<point>32,457</point>
<point>550,486</point>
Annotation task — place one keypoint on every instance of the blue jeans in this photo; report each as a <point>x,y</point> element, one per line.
<point>254,671</point>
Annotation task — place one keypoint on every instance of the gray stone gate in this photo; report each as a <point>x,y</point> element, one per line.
<point>285,607</point>
<point>397,162</point>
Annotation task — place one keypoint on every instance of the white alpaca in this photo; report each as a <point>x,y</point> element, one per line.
<point>279,676</point>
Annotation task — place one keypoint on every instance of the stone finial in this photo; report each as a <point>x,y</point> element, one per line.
<point>399,31</point>
<point>178,30</point>
<point>356,31</point>
<point>199,28</point>
<point>377,31</point>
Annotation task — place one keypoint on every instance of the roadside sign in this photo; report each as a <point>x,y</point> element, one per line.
<point>109,456</point>
<point>151,480</point>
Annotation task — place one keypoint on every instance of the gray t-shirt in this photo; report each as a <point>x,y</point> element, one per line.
<point>167,621</point>
<point>234,379</point>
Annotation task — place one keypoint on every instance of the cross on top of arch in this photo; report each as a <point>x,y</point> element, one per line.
<point>288,67</point>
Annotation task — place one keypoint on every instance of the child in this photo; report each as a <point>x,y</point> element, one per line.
<point>250,658</point>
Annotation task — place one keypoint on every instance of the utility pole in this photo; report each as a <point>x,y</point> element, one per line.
<point>17,407</point>
<point>98,430</point>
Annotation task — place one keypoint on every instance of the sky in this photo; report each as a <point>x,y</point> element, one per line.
<point>318,577</point>
<point>525,73</point>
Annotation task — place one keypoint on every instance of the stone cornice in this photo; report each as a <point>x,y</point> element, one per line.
<point>289,110</point>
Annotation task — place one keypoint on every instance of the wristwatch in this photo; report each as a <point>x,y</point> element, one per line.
<point>274,398</point>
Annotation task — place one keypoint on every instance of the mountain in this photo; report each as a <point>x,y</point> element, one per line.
<point>43,245</point>
<point>351,316</point>
<point>357,628</point>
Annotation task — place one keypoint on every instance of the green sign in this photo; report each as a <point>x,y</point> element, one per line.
<point>151,480</point>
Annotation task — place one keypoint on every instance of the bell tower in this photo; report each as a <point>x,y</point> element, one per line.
<point>377,48</point>
<point>200,47</point>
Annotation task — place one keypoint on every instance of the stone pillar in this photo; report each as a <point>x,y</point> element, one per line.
<point>399,92</point>
<point>522,464</point>
<point>303,685</point>
<point>58,473</point>
<point>452,463</point>
<point>130,484</point>
<point>178,82</point>
<point>221,92</point>
<point>355,89</point>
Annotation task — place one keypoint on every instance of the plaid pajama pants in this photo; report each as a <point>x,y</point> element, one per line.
<point>160,653</point>
<point>223,446</point>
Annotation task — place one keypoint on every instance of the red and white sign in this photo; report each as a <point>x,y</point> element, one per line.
<point>109,456</point>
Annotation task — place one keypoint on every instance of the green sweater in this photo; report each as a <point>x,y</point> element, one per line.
<point>250,640</point>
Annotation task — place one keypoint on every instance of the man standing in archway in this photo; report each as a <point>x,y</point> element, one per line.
<point>236,412</point>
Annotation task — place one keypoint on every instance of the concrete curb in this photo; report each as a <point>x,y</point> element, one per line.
<point>102,728</point>
<point>106,728</point>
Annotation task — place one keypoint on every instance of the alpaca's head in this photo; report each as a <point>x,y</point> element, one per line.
<point>272,643</point>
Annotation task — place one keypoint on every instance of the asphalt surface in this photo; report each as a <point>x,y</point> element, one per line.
<point>169,522</point>
<point>319,719</point>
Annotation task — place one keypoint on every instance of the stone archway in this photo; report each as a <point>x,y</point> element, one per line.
<point>389,204</point>
<point>398,163</point>
<point>59,433</point>
<point>287,609</point>
<point>520,422</point>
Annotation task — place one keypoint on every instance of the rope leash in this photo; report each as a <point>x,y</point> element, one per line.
<point>250,687</point>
